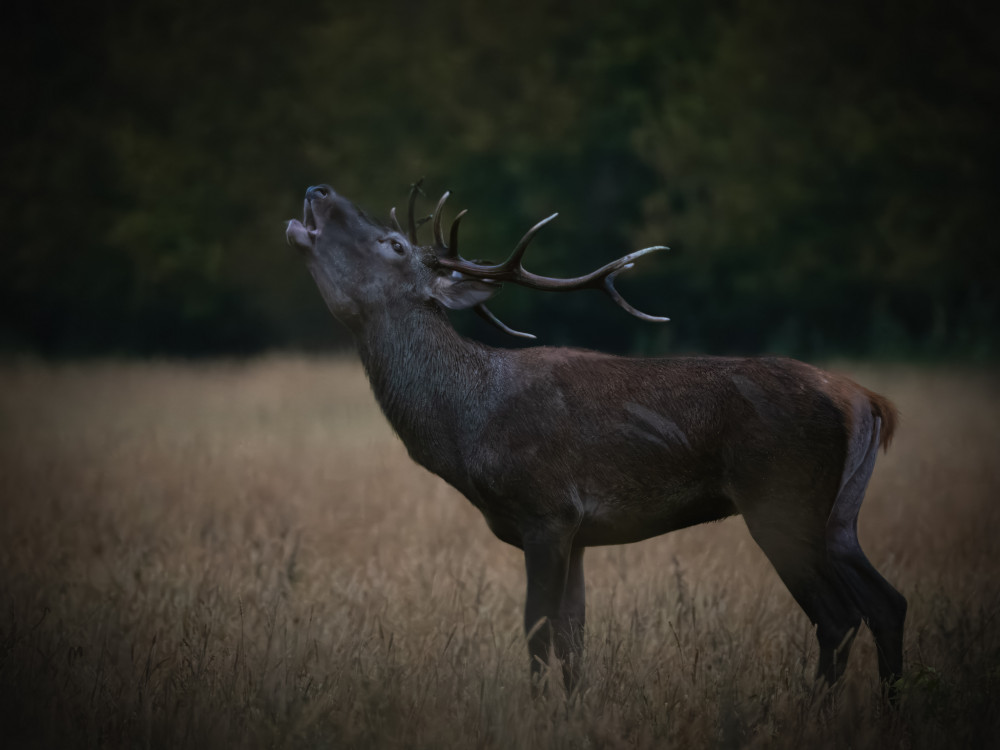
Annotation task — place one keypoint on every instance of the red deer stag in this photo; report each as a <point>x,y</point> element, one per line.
<point>563,449</point>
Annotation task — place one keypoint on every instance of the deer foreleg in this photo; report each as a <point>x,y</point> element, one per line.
<point>553,606</point>
<point>572,616</point>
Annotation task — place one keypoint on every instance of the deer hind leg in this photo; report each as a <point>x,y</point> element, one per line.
<point>797,553</point>
<point>882,606</point>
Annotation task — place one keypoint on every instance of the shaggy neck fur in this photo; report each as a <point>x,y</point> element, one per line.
<point>434,386</point>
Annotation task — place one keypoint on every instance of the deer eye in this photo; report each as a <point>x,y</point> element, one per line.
<point>397,246</point>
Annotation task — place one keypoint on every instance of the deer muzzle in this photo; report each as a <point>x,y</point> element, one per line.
<point>303,234</point>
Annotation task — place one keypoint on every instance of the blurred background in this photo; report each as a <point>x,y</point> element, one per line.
<point>826,174</point>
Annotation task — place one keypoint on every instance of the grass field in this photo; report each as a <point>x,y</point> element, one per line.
<point>242,555</point>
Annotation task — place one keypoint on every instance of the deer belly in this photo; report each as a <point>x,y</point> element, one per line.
<point>623,523</point>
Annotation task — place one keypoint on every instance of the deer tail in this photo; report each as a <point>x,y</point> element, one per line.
<point>886,411</point>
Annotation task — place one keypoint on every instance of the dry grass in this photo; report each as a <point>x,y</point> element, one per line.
<point>242,555</point>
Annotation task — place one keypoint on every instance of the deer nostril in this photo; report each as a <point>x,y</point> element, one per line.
<point>318,191</point>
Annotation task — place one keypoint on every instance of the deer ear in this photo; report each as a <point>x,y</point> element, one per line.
<point>459,292</point>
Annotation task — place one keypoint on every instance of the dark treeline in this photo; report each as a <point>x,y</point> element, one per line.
<point>826,173</point>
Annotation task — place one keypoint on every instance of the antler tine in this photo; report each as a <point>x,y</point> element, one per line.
<point>515,257</point>
<point>608,287</point>
<point>438,237</point>
<point>453,237</point>
<point>483,312</point>
<point>604,279</point>
<point>395,221</point>
<point>414,189</point>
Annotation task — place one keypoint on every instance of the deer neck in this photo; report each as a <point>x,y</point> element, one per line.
<point>434,386</point>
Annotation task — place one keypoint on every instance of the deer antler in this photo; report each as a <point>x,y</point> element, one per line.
<point>512,269</point>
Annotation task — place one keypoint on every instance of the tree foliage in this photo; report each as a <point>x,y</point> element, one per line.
<point>825,173</point>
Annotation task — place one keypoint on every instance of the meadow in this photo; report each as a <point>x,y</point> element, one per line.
<point>241,554</point>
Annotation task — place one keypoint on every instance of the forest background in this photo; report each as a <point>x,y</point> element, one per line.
<point>826,174</point>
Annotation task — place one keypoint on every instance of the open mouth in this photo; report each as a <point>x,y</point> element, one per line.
<point>302,234</point>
